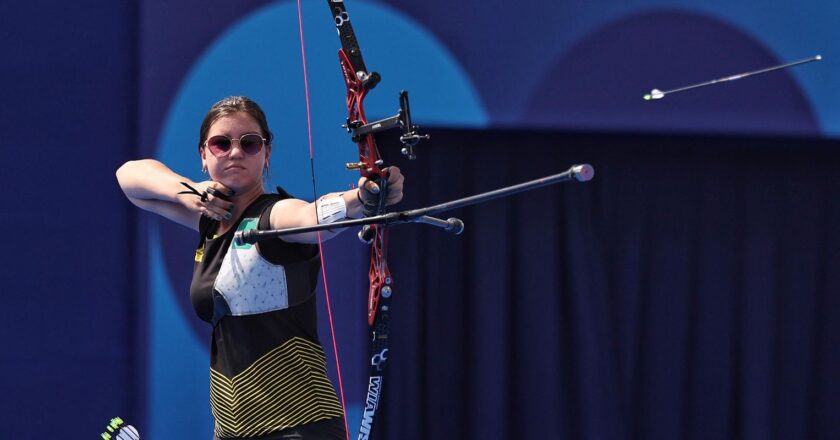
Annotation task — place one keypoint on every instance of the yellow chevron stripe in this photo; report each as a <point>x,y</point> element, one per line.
<point>265,394</point>
<point>286,387</point>
<point>302,403</point>
<point>276,389</point>
<point>286,360</point>
<point>233,393</point>
<point>278,378</point>
<point>297,411</point>
<point>298,343</point>
<point>294,366</point>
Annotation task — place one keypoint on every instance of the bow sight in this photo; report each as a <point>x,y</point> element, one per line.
<point>409,139</point>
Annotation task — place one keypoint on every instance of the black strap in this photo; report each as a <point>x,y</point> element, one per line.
<point>191,190</point>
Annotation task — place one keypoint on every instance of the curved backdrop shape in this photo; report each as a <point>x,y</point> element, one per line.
<point>587,88</point>
<point>509,50</point>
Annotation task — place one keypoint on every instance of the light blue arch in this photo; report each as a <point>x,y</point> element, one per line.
<point>178,365</point>
<point>259,56</point>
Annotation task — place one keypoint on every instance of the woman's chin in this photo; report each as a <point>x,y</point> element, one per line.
<point>240,186</point>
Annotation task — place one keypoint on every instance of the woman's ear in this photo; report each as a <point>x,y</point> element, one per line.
<point>203,155</point>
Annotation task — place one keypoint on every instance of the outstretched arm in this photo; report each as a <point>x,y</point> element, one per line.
<point>293,213</point>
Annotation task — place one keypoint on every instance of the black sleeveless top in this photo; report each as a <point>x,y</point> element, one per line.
<point>267,366</point>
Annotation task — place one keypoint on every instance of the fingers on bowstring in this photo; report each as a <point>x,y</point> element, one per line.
<point>219,190</point>
<point>216,203</point>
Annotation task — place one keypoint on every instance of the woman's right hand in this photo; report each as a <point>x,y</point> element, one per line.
<point>153,187</point>
<point>213,201</point>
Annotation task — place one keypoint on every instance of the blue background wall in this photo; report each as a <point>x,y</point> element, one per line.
<point>96,320</point>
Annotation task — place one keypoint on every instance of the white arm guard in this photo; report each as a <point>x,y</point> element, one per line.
<point>331,209</point>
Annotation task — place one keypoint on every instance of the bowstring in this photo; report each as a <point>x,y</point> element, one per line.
<point>315,196</point>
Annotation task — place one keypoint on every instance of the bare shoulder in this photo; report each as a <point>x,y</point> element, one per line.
<point>288,204</point>
<point>288,213</point>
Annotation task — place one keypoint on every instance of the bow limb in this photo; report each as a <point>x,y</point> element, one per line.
<point>358,82</point>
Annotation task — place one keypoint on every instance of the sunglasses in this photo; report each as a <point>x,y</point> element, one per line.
<point>221,145</point>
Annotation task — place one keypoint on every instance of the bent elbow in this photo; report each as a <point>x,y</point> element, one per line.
<point>121,171</point>
<point>124,175</point>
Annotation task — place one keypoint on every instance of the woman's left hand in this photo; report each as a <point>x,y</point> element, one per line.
<point>395,186</point>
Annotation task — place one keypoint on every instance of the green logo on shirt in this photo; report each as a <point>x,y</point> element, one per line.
<point>246,225</point>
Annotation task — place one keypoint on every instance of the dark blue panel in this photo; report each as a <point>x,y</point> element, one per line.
<point>70,319</point>
<point>684,293</point>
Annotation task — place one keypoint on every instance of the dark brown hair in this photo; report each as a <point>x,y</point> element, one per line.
<point>228,106</point>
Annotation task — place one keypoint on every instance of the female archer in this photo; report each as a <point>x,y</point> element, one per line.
<point>268,376</point>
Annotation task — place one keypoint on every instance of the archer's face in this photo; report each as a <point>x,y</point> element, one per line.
<point>236,169</point>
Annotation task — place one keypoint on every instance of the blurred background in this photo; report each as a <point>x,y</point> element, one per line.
<point>689,291</point>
